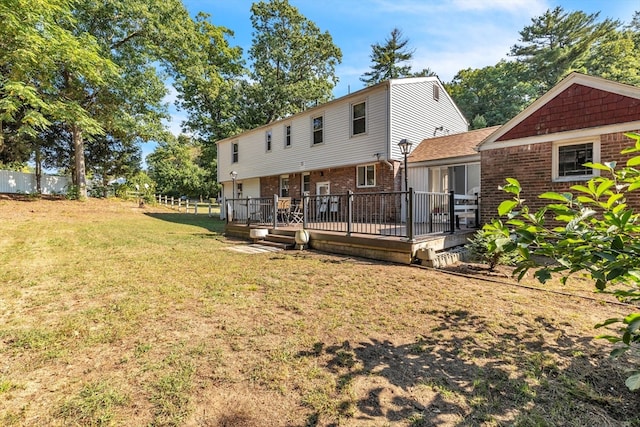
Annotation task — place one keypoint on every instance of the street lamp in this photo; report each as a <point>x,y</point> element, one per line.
<point>233,175</point>
<point>405,148</point>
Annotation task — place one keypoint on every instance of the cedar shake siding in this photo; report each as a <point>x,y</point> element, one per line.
<point>578,107</point>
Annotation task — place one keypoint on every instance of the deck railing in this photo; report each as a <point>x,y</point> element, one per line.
<point>406,214</point>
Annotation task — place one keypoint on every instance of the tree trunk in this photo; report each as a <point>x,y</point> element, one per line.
<point>78,151</point>
<point>38,169</point>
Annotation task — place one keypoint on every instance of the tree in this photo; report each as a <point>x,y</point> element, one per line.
<point>43,65</point>
<point>208,87</point>
<point>293,64</point>
<point>496,93</point>
<point>387,60</point>
<point>616,56</point>
<point>553,45</point>
<point>174,167</point>
<point>595,232</point>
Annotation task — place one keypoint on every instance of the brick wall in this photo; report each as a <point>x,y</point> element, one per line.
<point>341,180</point>
<point>531,165</point>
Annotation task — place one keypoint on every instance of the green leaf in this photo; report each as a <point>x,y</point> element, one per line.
<point>634,185</point>
<point>543,275</point>
<point>506,207</point>
<point>633,381</point>
<point>608,322</point>
<point>564,197</point>
<point>634,161</point>
<point>598,166</point>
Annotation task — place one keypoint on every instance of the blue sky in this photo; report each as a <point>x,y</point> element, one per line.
<point>446,35</point>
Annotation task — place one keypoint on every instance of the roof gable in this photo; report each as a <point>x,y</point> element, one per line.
<point>577,102</point>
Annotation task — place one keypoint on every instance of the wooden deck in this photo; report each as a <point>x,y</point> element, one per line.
<point>380,247</point>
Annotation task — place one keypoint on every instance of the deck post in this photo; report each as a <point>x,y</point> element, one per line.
<point>305,210</point>
<point>275,211</point>
<point>410,215</point>
<point>452,212</point>
<point>477,218</point>
<point>349,212</point>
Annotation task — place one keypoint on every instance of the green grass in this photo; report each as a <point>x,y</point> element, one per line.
<point>115,315</point>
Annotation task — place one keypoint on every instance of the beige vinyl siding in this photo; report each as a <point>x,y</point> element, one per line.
<point>415,114</point>
<point>338,149</point>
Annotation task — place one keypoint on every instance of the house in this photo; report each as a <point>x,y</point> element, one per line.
<point>582,119</point>
<point>350,143</point>
<point>446,163</point>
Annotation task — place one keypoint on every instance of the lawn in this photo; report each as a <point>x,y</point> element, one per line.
<point>111,314</point>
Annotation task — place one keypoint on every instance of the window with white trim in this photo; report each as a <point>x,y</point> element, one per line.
<point>306,182</point>
<point>436,92</point>
<point>568,159</point>
<point>318,130</point>
<point>358,118</point>
<point>234,152</point>
<point>284,186</point>
<point>366,176</point>
<point>267,140</point>
<point>287,136</point>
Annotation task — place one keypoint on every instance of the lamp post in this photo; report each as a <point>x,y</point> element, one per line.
<point>405,148</point>
<point>233,175</point>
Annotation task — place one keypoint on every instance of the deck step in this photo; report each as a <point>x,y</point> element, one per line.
<point>281,241</point>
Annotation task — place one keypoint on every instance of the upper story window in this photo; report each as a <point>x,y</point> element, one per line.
<point>234,152</point>
<point>436,92</point>
<point>367,176</point>
<point>287,136</point>
<point>568,160</point>
<point>358,118</point>
<point>318,130</point>
<point>267,140</point>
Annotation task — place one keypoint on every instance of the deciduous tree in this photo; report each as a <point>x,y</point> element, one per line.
<point>292,64</point>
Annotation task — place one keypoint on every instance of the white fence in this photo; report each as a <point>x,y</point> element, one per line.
<point>20,182</point>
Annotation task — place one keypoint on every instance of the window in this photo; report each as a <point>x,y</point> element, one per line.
<point>234,152</point>
<point>359,118</point>
<point>287,136</point>
<point>306,183</point>
<point>568,160</point>
<point>367,176</point>
<point>267,140</point>
<point>239,190</point>
<point>436,92</point>
<point>284,186</point>
<point>318,130</point>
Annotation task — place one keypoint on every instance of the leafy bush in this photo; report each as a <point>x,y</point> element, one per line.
<point>596,232</point>
<point>486,247</point>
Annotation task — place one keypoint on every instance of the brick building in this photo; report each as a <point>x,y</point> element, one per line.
<point>582,119</point>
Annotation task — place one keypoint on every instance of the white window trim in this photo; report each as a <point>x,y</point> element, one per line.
<point>302,182</point>
<point>555,174</point>
<point>366,117</point>
<point>374,176</point>
<point>268,141</point>
<point>236,144</point>
<point>281,187</point>
<point>284,129</point>
<point>313,144</point>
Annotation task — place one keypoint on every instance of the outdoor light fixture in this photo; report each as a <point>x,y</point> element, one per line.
<point>405,148</point>
<point>233,175</point>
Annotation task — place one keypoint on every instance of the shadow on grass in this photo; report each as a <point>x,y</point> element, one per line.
<point>212,224</point>
<point>535,375</point>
